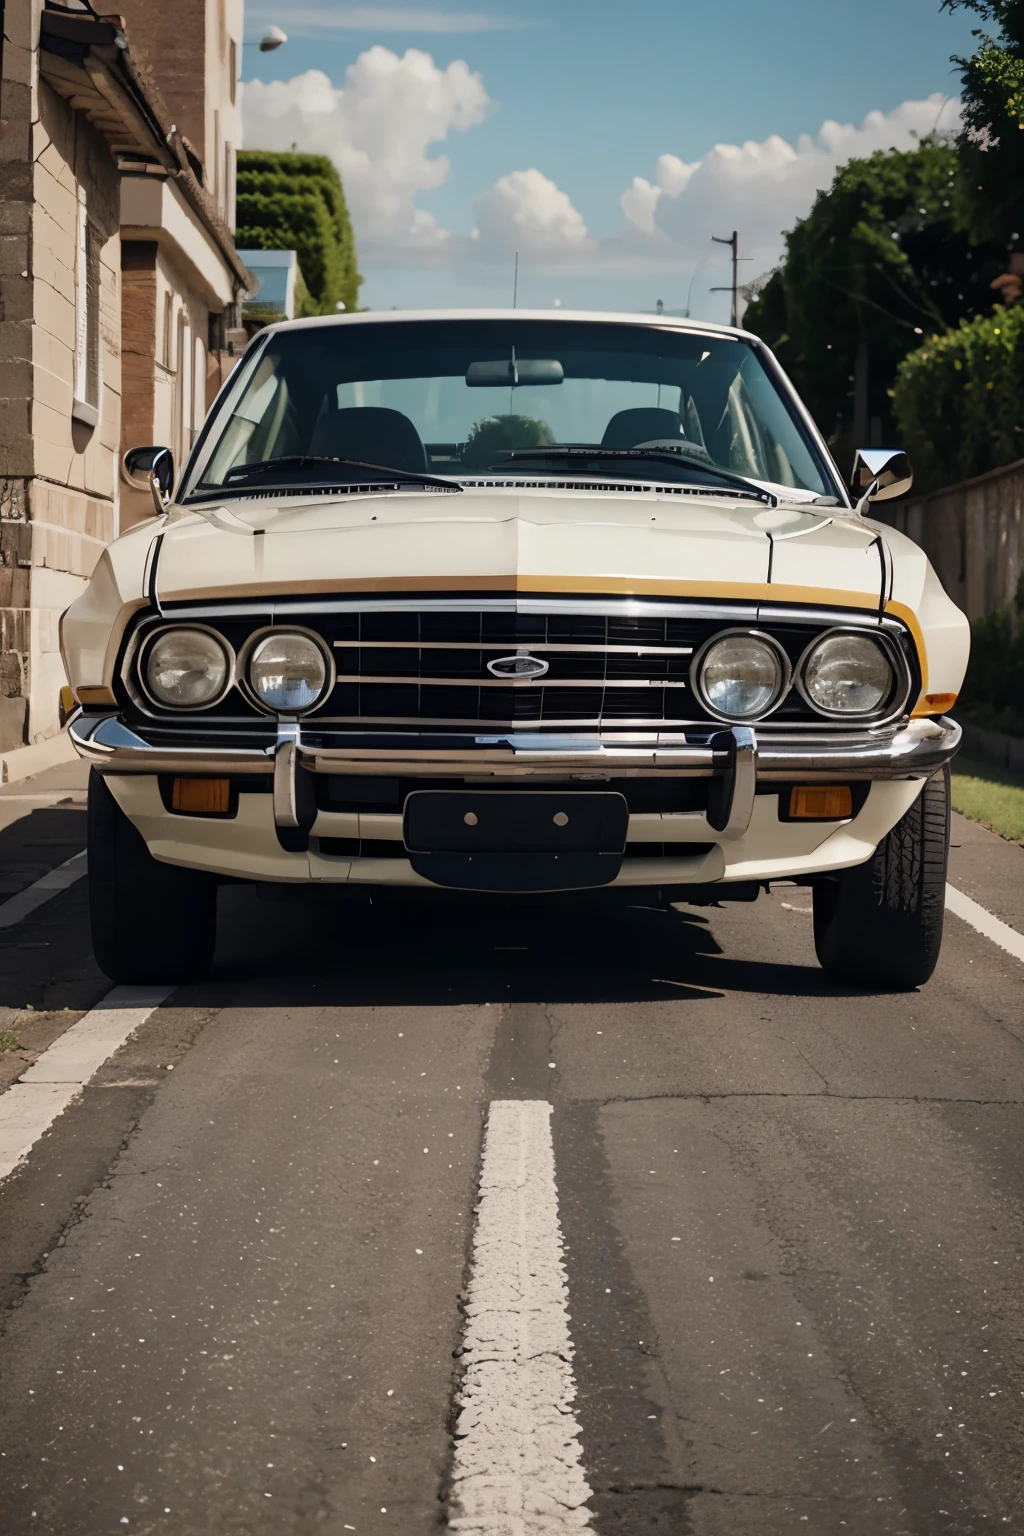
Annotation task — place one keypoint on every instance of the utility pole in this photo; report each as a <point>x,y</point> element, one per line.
<point>733,242</point>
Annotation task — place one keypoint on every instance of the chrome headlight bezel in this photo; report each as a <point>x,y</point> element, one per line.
<point>278,632</point>
<point>769,641</point>
<point>142,667</point>
<point>894,701</point>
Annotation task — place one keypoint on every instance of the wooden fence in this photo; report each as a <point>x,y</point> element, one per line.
<point>973,533</point>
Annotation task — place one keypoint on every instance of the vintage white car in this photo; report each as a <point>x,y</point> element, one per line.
<point>516,603</point>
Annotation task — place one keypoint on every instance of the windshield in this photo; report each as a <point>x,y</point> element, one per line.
<point>457,397</point>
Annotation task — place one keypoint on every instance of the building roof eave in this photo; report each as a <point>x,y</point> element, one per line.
<point>88,61</point>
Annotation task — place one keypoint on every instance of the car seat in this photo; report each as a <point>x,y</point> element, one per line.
<point>372,433</point>
<point>641,424</point>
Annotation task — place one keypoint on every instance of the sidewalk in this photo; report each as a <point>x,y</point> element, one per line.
<point>21,762</point>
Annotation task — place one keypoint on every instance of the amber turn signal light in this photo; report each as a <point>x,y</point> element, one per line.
<point>201,797</point>
<point>820,802</point>
<point>940,700</point>
<point>86,694</point>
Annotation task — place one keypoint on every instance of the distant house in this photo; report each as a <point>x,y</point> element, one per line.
<point>278,285</point>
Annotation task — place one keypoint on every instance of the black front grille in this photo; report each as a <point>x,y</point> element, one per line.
<point>432,666</point>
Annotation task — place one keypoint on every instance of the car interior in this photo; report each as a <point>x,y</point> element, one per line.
<point>445,408</point>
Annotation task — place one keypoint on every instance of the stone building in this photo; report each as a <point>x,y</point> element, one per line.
<point>118,282</point>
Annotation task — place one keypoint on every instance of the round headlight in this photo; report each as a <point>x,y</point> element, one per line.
<point>741,676</point>
<point>186,668</point>
<point>288,673</point>
<point>847,675</point>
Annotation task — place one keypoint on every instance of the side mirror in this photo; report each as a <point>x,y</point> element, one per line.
<point>879,474</point>
<point>154,466</point>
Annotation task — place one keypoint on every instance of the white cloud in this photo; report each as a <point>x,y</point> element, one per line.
<point>760,188</point>
<point>315,21</point>
<point>378,128</point>
<point>381,128</point>
<point>526,212</point>
<point>639,203</point>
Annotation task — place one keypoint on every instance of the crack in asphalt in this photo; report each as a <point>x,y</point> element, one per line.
<point>706,1095</point>
<point>732,1493</point>
<point>807,1061</point>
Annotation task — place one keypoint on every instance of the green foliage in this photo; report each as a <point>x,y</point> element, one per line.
<point>296,202</point>
<point>305,304</point>
<point>958,399</point>
<point>991,144</point>
<point>497,434</point>
<point>8,1041</point>
<point>879,261</point>
<point>992,796</point>
<point>993,691</point>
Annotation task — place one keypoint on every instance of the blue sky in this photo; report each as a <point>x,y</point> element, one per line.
<point>587,96</point>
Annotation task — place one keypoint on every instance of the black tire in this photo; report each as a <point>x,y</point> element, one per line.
<point>879,925</point>
<point>151,922</point>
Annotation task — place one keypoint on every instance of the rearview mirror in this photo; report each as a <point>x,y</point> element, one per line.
<point>154,466</point>
<point>879,474</point>
<point>509,372</point>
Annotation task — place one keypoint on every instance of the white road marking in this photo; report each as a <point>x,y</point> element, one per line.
<point>1000,933</point>
<point>16,907</point>
<point>47,797</point>
<point>517,1468</point>
<point>30,1106</point>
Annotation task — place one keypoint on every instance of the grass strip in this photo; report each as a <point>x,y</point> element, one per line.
<point>992,796</point>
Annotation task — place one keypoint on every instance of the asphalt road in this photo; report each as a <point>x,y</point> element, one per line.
<point>233,1274</point>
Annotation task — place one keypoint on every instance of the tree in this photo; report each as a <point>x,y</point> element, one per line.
<point>296,202</point>
<point>878,262</point>
<point>958,399</point>
<point>991,143</point>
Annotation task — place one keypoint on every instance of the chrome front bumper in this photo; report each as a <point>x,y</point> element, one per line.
<point>911,750</point>
<point>737,760</point>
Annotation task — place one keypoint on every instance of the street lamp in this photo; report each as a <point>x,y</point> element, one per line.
<point>272,38</point>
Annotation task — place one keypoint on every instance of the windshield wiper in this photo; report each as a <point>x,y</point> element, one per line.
<point>243,472</point>
<point>661,455</point>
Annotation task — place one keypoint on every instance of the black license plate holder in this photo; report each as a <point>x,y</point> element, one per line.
<point>516,841</point>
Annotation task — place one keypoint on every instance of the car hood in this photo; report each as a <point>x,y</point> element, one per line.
<point>641,543</point>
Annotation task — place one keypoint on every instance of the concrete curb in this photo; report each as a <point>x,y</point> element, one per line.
<point>993,747</point>
<point>22,762</point>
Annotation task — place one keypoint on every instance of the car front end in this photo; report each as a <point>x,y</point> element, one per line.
<point>513,668</point>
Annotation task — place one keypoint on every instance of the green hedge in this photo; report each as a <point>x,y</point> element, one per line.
<point>993,691</point>
<point>296,202</point>
<point>959,399</point>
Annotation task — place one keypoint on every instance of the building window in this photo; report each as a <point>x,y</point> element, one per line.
<point>85,406</point>
<point>168,347</point>
<point>229,185</point>
<point>182,406</point>
<point>198,388</point>
<point>216,190</point>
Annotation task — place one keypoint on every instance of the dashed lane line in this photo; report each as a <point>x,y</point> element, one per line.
<point>51,884</point>
<point>517,1465</point>
<point>30,1106</point>
<point>970,912</point>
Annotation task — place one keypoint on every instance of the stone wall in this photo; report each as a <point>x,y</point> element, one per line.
<point>58,475</point>
<point>973,534</point>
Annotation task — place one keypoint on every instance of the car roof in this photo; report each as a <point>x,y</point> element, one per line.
<point>599,316</point>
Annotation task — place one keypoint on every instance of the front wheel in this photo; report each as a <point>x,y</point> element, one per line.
<point>879,925</point>
<point>151,922</point>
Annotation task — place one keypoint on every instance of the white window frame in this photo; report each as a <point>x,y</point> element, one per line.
<point>86,379</point>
